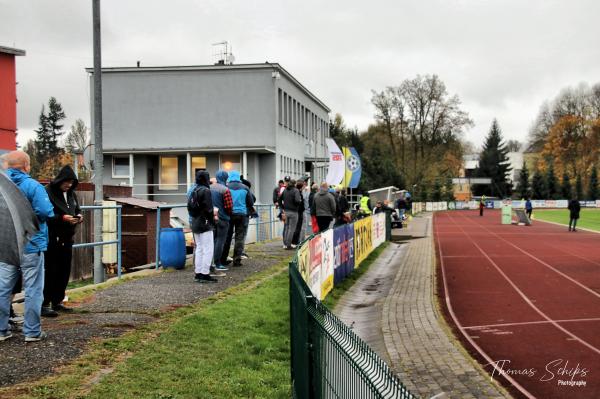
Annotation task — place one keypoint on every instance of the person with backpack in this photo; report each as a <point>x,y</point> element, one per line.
<point>201,210</point>
<point>243,203</point>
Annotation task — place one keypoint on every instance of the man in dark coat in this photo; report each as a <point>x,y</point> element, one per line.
<point>61,229</point>
<point>574,209</point>
<point>290,202</point>
<point>200,207</point>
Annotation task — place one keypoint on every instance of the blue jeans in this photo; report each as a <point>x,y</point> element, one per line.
<point>220,238</point>
<point>32,268</point>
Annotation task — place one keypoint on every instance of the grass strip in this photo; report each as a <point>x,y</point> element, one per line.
<point>589,218</point>
<point>339,290</point>
<point>234,344</point>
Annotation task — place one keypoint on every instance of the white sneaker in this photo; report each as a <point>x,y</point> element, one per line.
<point>229,259</point>
<point>293,246</point>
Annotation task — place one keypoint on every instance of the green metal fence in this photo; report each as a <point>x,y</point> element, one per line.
<point>328,359</point>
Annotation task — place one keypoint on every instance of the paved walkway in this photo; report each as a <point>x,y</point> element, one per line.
<point>397,294</point>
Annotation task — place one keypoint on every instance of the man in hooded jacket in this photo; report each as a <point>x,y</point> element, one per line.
<point>200,207</point>
<point>32,259</point>
<point>242,204</point>
<point>61,229</point>
<point>221,197</point>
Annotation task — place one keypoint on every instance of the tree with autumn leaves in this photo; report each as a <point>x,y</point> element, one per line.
<point>567,136</point>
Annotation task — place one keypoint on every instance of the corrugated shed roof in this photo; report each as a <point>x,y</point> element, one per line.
<point>142,203</point>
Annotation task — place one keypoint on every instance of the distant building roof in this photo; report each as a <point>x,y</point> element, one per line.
<point>10,50</point>
<point>218,67</point>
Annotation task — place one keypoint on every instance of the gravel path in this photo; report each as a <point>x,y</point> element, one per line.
<point>117,309</point>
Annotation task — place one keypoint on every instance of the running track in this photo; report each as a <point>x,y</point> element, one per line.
<point>525,301</point>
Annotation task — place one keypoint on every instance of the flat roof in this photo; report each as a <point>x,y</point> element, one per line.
<point>10,50</point>
<point>217,67</point>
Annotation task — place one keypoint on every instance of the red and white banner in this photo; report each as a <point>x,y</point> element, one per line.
<point>337,164</point>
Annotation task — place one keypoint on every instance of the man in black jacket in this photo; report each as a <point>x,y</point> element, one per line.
<point>61,229</point>
<point>290,202</point>
<point>200,208</point>
<point>574,209</point>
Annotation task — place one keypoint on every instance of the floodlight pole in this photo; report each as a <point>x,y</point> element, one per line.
<point>98,157</point>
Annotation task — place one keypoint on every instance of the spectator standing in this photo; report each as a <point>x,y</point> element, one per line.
<point>277,192</point>
<point>481,205</point>
<point>528,208</point>
<point>242,202</point>
<point>201,210</point>
<point>574,209</point>
<point>251,211</point>
<point>290,202</point>
<point>61,229</point>
<point>343,210</point>
<point>324,204</point>
<point>301,223</point>
<point>32,261</point>
<point>365,205</point>
<point>221,197</point>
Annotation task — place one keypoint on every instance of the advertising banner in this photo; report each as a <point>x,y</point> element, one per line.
<point>353,167</point>
<point>304,261</point>
<point>378,227</point>
<point>340,254</point>
<point>316,257</point>
<point>337,164</point>
<point>550,204</point>
<point>351,246</point>
<point>363,242</point>
<point>562,204</point>
<point>326,263</point>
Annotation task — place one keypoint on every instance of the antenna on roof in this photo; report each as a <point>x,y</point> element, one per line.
<point>222,53</point>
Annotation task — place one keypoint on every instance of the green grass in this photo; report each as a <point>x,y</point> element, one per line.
<point>80,283</point>
<point>589,218</point>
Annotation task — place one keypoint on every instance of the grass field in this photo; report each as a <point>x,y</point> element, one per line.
<point>589,218</point>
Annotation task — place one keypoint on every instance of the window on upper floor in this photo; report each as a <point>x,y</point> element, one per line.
<point>280,106</point>
<point>285,109</point>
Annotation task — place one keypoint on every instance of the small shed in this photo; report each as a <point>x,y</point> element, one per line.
<point>139,230</point>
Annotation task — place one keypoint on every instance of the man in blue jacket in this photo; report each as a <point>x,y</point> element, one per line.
<point>242,202</point>
<point>32,262</point>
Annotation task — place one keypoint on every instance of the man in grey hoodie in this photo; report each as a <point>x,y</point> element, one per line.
<point>325,207</point>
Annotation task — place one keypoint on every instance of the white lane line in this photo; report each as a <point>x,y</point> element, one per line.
<point>527,323</point>
<point>530,303</point>
<point>591,291</point>
<point>465,334</point>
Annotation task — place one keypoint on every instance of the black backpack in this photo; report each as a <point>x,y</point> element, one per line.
<point>193,205</point>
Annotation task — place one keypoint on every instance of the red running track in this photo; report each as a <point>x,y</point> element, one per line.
<point>524,300</point>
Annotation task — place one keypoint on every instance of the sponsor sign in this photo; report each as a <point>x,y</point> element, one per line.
<point>337,164</point>
<point>326,262</point>
<point>316,257</point>
<point>363,239</point>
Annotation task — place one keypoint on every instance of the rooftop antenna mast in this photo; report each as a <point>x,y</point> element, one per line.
<point>222,53</point>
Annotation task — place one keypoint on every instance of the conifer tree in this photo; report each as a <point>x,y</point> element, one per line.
<point>551,183</point>
<point>579,187</point>
<point>494,164</point>
<point>538,186</point>
<point>565,188</point>
<point>524,181</point>
<point>593,185</point>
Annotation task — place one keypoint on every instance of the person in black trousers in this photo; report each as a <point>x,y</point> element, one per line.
<point>61,229</point>
<point>574,209</point>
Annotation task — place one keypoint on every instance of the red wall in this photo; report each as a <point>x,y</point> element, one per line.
<point>8,102</point>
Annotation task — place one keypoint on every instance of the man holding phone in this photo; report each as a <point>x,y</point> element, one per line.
<point>61,230</point>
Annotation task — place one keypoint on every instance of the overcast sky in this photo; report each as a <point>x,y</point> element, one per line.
<point>503,58</point>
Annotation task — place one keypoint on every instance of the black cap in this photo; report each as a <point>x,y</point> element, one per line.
<point>287,178</point>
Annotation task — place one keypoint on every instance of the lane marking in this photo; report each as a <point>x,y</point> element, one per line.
<point>586,288</point>
<point>530,303</point>
<point>464,332</point>
<point>527,323</point>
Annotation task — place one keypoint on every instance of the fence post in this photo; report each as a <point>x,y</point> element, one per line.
<point>119,237</point>
<point>157,251</point>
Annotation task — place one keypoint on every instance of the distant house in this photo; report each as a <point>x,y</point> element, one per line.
<point>8,99</point>
<point>160,124</point>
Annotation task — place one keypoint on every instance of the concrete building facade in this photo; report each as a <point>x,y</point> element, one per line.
<point>8,98</point>
<point>160,124</point>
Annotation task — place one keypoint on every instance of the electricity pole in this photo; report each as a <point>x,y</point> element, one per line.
<point>98,157</point>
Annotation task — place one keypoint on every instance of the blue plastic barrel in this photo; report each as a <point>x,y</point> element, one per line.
<point>172,247</point>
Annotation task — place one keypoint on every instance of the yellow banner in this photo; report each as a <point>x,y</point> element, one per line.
<point>363,240</point>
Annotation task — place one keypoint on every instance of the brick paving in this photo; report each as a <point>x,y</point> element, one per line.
<point>427,360</point>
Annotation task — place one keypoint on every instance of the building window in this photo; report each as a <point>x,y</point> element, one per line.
<point>294,127</point>
<point>120,167</point>
<point>197,164</point>
<point>169,173</point>
<point>280,106</point>
<point>231,162</point>
<point>285,109</point>
<point>290,112</point>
